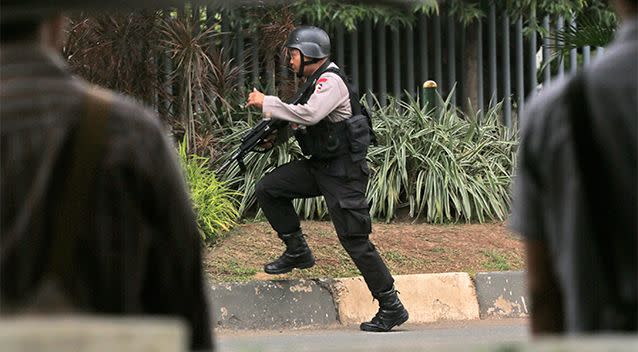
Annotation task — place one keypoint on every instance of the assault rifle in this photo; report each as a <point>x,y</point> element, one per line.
<point>257,134</point>
<point>251,140</point>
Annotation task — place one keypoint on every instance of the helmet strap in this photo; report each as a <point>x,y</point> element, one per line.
<point>303,64</point>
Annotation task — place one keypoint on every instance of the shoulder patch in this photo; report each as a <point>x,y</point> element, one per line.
<point>320,84</point>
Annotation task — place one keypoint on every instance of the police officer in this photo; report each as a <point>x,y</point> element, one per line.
<point>331,130</point>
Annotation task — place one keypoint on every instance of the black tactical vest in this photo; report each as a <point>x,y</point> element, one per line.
<point>326,140</point>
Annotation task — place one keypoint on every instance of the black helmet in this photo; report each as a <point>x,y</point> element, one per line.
<point>313,42</point>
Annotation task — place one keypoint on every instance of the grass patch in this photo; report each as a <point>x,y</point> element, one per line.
<point>395,256</point>
<point>239,272</point>
<point>496,261</point>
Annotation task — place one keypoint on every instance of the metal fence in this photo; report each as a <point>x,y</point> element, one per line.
<point>489,61</point>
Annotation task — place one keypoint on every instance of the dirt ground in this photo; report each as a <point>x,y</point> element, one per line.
<point>407,249</point>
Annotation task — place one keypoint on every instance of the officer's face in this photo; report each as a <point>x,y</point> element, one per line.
<point>295,59</point>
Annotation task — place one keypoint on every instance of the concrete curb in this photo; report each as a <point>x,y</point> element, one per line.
<point>273,304</point>
<point>502,294</point>
<point>428,298</point>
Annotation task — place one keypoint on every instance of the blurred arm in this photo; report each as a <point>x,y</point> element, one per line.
<point>544,290</point>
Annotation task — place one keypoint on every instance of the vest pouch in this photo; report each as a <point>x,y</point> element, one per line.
<point>358,135</point>
<point>330,139</point>
<point>324,140</point>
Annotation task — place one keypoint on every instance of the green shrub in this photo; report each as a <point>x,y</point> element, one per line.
<point>214,202</point>
<point>442,166</point>
<point>257,165</point>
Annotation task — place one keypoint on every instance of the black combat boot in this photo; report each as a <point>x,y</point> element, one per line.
<point>391,313</point>
<point>297,255</point>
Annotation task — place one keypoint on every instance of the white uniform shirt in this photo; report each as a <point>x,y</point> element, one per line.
<point>331,99</point>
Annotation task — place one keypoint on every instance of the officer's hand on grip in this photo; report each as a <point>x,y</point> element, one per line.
<point>268,143</point>
<point>255,98</point>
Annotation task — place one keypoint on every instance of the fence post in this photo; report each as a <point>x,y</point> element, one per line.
<point>430,101</point>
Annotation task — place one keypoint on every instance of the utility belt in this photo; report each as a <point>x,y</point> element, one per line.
<point>327,140</point>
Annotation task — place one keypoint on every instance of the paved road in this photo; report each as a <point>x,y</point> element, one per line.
<point>443,336</point>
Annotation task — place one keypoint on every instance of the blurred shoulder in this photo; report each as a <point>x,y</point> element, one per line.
<point>136,136</point>
<point>544,110</point>
<point>127,112</point>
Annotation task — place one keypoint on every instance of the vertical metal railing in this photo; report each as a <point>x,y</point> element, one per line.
<point>586,55</point>
<point>506,66</point>
<point>367,59</point>
<point>423,48</point>
<point>507,82</point>
<point>438,65</point>
<point>396,63</point>
<point>573,53</point>
<point>561,63</point>
<point>339,46</point>
<point>532,81</point>
<point>382,72</point>
<point>451,58</point>
<point>409,62</point>
<point>479,70</point>
<point>492,54</point>
<point>520,67</point>
<point>354,58</point>
<point>547,74</point>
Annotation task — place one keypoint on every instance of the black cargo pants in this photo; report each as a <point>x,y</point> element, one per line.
<point>343,184</point>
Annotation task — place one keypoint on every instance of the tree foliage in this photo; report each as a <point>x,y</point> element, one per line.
<point>329,12</point>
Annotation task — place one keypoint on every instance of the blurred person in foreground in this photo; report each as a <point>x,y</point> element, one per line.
<point>95,216</point>
<point>575,194</point>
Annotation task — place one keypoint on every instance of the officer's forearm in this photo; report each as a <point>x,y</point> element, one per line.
<point>303,114</point>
